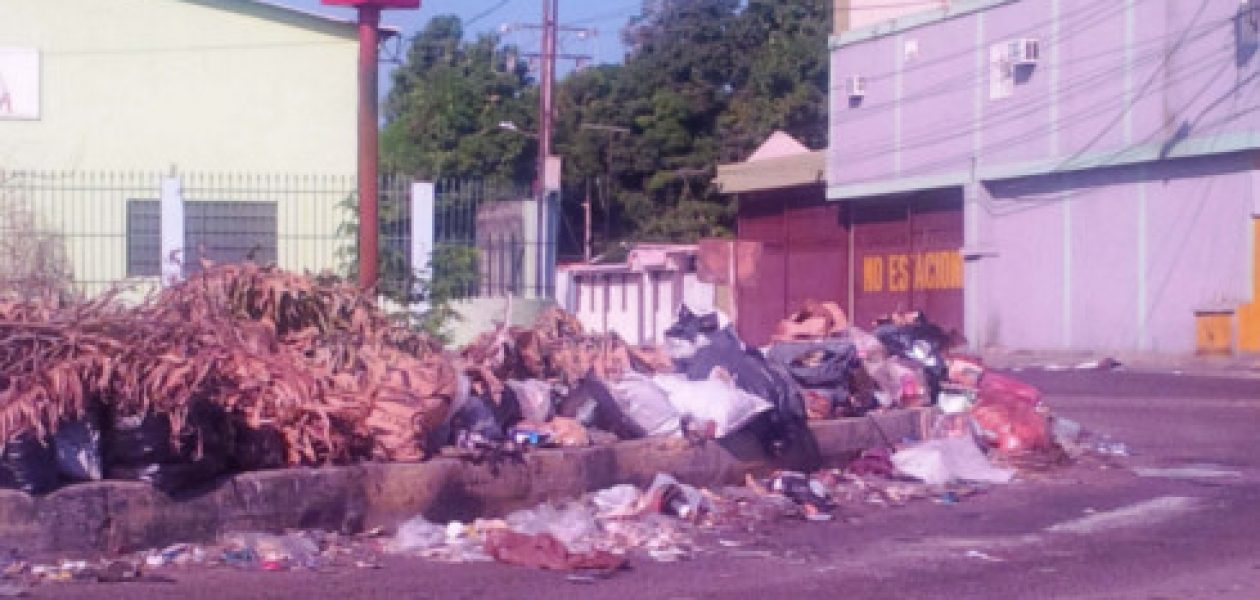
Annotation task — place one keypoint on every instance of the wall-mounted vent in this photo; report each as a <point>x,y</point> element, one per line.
<point>1024,52</point>
<point>856,86</point>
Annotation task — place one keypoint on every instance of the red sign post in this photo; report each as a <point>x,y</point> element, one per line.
<point>369,38</point>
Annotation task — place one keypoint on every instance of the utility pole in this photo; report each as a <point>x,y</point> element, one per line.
<point>369,40</point>
<point>548,56</point>
<point>547,178</point>
<point>546,104</point>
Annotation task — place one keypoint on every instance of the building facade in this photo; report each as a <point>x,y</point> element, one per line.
<point>252,105</point>
<point>1083,175</point>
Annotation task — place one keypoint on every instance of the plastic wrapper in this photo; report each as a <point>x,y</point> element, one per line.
<point>942,461</point>
<point>617,501</point>
<point>573,525</point>
<point>418,534</point>
<point>1010,423</point>
<point>534,397</point>
<point>997,384</point>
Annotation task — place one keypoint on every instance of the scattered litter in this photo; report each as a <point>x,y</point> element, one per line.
<point>983,556</point>
<point>937,462</point>
<point>1107,448</point>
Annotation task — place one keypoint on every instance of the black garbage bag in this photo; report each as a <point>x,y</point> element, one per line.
<point>29,464</point>
<point>77,444</point>
<point>823,364</point>
<point>698,345</point>
<point>142,448</point>
<point>922,342</point>
<point>258,449</point>
<point>593,405</point>
<point>477,416</point>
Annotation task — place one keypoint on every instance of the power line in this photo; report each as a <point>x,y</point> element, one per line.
<point>1019,137</point>
<point>485,13</point>
<point>1018,111</point>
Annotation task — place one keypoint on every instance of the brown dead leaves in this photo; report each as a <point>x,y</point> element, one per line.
<point>311,358</point>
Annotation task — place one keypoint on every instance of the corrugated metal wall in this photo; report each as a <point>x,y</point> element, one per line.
<point>804,255</point>
<point>907,257</point>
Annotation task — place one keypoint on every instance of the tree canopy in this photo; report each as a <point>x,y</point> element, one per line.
<point>443,112</point>
<point>704,82</point>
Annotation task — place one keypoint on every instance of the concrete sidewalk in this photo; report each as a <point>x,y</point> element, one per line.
<point>120,516</point>
<point>1219,366</point>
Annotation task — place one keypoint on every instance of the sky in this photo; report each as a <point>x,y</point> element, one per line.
<point>606,16</point>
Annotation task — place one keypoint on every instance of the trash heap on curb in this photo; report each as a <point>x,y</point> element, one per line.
<point>239,367</point>
<point>243,367</point>
<point>556,385</point>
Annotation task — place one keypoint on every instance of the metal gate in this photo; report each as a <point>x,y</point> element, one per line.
<point>804,256</point>
<point>907,256</point>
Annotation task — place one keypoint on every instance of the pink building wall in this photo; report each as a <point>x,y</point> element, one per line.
<point>1108,196</point>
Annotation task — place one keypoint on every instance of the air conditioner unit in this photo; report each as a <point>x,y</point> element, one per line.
<point>856,85</point>
<point>1024,52</point>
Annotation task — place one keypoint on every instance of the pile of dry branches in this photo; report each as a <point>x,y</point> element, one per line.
<point>312,359</point>
<point>556,349</point>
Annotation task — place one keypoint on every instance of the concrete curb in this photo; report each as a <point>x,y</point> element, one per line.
<point>120,516</point>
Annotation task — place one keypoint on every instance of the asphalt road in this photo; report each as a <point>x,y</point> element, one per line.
<point>1177,519</point>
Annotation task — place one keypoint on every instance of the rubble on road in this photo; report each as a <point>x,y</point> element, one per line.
<point>244,367</point>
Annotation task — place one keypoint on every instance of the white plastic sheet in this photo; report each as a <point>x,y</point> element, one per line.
<point>942,461</point>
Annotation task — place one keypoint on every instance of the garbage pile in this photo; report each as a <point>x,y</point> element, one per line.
<point>244,367</point>
<point>239,367</point>
<point>554,384</point>
<point>845,371</point>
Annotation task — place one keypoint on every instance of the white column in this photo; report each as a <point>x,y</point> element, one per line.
<point>423,203</point>
<point>171,226</point>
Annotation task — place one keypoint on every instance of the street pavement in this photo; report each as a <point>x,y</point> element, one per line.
<point>1179,518</point>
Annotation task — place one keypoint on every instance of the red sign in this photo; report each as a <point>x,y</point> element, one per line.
<point>380,3</point>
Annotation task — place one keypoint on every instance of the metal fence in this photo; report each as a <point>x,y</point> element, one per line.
<point>90,231</point>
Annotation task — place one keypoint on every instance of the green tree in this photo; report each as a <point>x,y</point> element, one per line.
<point>704,82</point>
<point>443,112</point>
<point>782,81</point>
<point>654,183</point>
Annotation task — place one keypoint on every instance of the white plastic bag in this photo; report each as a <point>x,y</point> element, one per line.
<point>535,398</point>
<point>617,501</point>
<point>418,534</point>
<point>941,461</point>
<point>573,525</point>
<point>645,403</point>
<point>716,400</point>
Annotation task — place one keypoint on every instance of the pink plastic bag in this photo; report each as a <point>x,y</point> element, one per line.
<point>998,384</point>
<point>1010,423</point>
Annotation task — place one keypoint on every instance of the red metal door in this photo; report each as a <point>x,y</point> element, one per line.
<point>817,252</point>
<point>907,257</point>
<point>761,298</point>
<point>804,256</point>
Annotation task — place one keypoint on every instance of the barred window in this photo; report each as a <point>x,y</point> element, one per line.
<point>223,232</point>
